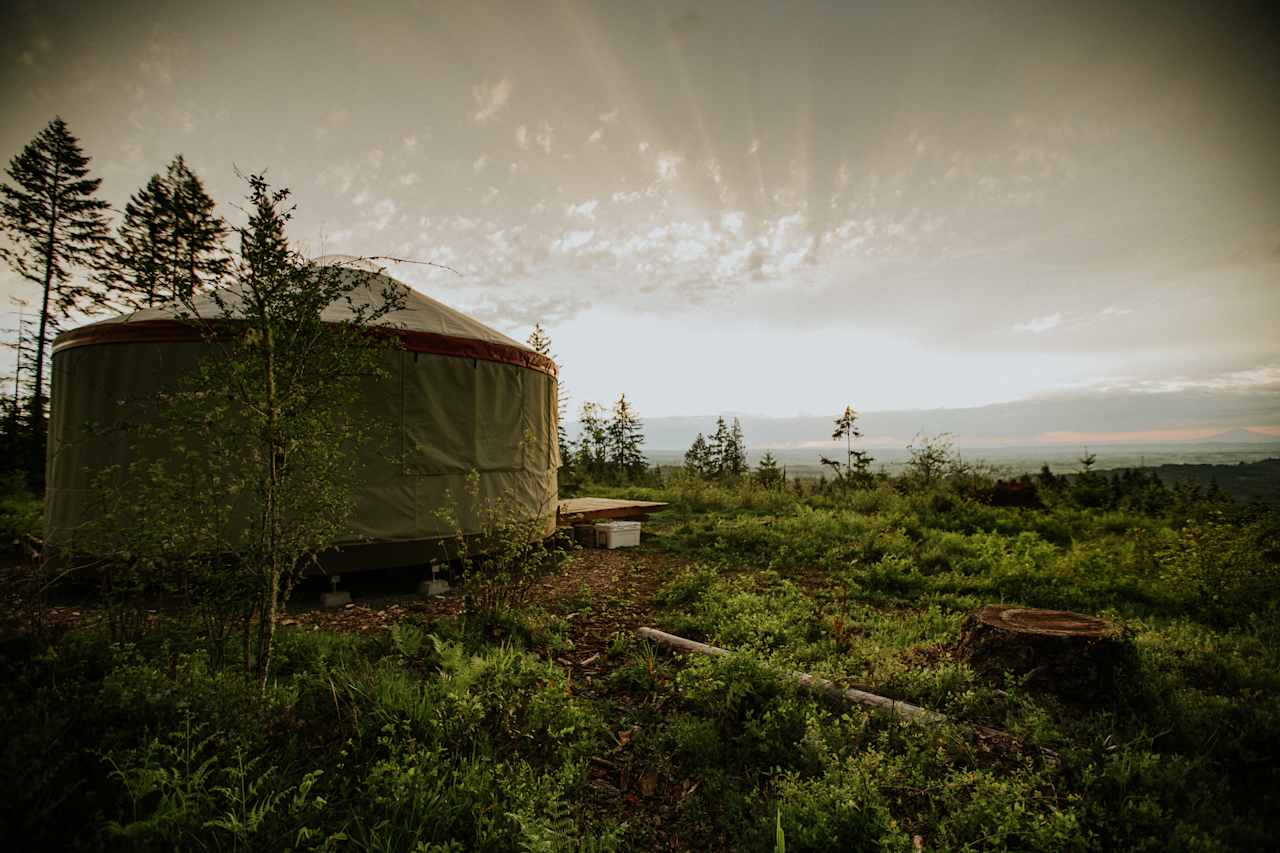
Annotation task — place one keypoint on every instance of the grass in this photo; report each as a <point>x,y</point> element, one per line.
<point>432,737</point>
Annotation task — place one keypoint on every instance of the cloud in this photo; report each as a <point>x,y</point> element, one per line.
<point>1039,325</point>
<point>384,211</point>
<point>156,64</point>
<point>586,209</point>
<point>340,176</point>
<point>1264,378</point>
<point>545,137</point>
<point>522,137</point>
<point>528,308</point>
<point>734,263</point>
<point>627,197</point>
<point>669,165</point>
<point>574,239</point>
<point>596,136</point>
<point>479,164</point>
<point>409,179</point>
<point>686,251</point>
<point>490,99</point>
<point>410,143</point>
<point>609,117</point>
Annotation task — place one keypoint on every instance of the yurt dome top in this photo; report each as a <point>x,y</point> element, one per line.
<point>424,324</point>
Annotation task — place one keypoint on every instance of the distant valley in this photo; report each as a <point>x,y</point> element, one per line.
<point>1121,429</point>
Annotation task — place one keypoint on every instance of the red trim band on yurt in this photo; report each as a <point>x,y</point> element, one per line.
<point>177,331</point>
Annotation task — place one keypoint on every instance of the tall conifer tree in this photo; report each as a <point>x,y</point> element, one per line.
<point>540,342</point>
<point>169,244</point>
<point>16,447</point>
<point>734,462</point>
<point>716,449</point>
<point>198,232</point>
<point>54,224</point>
<point>626,440</point>
<point>135,263</point>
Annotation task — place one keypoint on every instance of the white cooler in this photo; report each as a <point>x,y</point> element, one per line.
<point>617,534</point>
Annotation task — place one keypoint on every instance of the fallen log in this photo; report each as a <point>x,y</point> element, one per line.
<point>820,686</point>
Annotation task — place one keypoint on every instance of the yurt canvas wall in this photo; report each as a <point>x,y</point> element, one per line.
<point>458,397</point>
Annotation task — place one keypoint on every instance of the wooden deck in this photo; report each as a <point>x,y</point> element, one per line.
<point>591,509</point>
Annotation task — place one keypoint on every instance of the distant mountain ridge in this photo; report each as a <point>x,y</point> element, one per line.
<point>1035,421</point>
<point>1242,436</point>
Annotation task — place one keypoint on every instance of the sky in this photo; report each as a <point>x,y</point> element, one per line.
<point>770,208</point>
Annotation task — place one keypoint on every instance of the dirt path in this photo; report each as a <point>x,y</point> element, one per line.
<point>599,593</point>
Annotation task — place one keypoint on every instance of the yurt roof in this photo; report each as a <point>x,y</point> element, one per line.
<point>425,324</point>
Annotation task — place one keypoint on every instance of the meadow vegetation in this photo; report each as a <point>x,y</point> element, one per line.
<point>531,717</point>
<point>435,735</point>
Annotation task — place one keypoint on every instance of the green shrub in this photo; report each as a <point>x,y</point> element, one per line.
<point>761,719</point>
<point>506,558</point>
<point>21,514</point>
<point>843,809</point>
<point>689,585</point>
<point>1226,572</point>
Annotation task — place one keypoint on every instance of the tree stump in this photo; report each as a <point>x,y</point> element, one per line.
<point>1070,654</point>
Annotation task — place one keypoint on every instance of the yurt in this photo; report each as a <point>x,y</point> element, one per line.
<point>460,396</point>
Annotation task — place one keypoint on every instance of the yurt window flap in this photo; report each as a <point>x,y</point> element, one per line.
<point>500,421</point>
<point>462,414</point>
<point>439,415</point>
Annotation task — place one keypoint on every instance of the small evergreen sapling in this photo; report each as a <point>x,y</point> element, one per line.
<point>697,459</point>
<point>855,472</point>
<point>768,474</point>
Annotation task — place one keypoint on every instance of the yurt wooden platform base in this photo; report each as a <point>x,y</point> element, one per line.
<point>577,510</point>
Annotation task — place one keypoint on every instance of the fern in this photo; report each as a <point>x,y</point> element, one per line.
<point>175,773</point>
<point>248,798</point>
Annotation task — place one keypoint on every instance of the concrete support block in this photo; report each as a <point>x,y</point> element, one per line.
<point>435,586</point>
<point>335,600</point>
